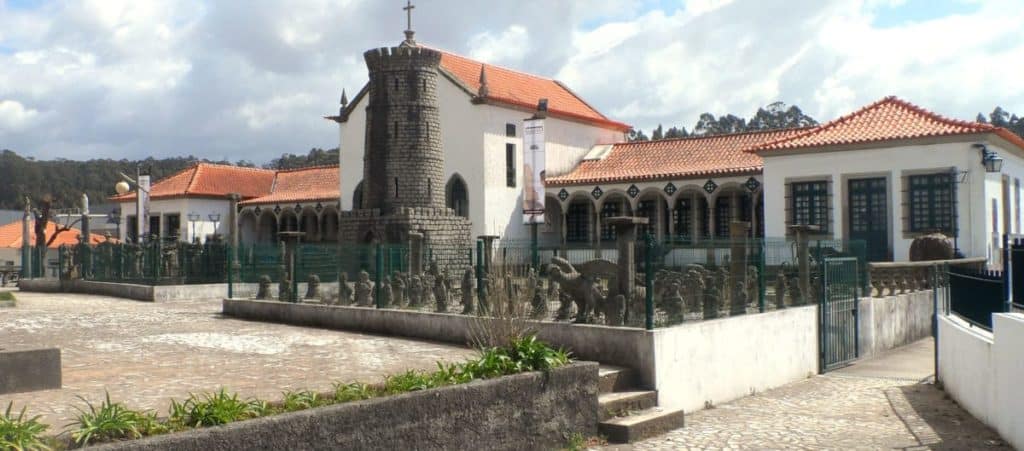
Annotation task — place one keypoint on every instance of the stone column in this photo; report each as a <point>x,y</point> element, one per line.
<point>488,251</point>
<point>695,219</point>
<point>289,242</point>
<point>565,232</point>
<point>233,238</point>
<point>625,238</point>
<point>738,267</point>
<point>415,253</point>
<point>671,220</point>
<point>597,232</point>
<point>801,233</point>
<point>26,242</point>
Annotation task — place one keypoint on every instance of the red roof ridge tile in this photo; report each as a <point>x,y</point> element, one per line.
<point>309,168</point>
<point>719,135</point>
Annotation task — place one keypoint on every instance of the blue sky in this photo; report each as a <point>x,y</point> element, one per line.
<point>252,79</point>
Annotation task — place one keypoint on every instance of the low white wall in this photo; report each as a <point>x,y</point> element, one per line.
<point>893,321</point>
<point>983,371</point>
<point>720,360</point>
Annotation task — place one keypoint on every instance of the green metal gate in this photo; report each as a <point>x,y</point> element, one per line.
<point>838,312</point>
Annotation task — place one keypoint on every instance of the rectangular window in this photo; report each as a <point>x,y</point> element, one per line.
<point>510,165</point>
<point>609,210</point>
<point>154,226</point>
<point>172,224</point>
<point>510,130</point>
<point>646,209</point>
<point>723,217</point>
<point>810,204</point>
<point>131,228</point>
<point>931,203</point>
<point>577,223</point>
<point>683,218</point>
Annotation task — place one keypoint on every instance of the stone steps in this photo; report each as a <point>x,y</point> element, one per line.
<point>641,425</point>
<point>625,403</point>
<point>628,414</point>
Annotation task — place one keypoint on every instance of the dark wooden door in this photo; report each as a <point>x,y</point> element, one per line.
<point>867,216</point>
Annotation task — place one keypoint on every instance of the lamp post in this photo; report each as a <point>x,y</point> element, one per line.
<point>141,182</point>
<point>215,219</point>
<point>192,219</point>
<point>992,161</point>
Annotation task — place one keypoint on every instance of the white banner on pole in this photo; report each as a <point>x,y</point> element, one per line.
<point>533,171</point>
<point>142,209</point>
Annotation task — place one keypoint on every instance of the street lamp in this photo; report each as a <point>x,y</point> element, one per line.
<point>141,199</point>
<point>215,219</point>
<point>991,160</point>
<point>192,219</point>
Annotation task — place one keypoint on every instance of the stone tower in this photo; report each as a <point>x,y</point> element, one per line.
<point>404,162</point>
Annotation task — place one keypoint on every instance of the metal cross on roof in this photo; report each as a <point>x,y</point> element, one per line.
<point>408,14</point>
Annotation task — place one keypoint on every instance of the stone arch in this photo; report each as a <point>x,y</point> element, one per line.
<point>578,211</point>
<point>288,221</point>
<point>730,202</point>
<point>267,228</point>
<point>357,196</point>
<point>652,204</point>
<point>690,214</point>
<point>248,227</point>
<point>329,227</point>
<point>309,223</point>
<point>456,195</point>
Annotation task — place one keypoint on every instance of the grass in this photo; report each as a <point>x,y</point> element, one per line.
<point>112,421</point>
<point>20,433</point>
<point>7,296</point>
<point>213,409</point>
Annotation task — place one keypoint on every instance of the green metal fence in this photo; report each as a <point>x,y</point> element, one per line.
<point>149,264</point>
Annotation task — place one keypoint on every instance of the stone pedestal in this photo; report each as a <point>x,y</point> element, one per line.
<point>488,251</point>
<point>738,231</point>
<point>415,253</point>
<point>801,233</point>
<point>28,370</point>
<point>625,238</point>
<point>290,241</point>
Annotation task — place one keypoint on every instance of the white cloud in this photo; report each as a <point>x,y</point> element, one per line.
<point>507,48</point>
<point>14,116</point>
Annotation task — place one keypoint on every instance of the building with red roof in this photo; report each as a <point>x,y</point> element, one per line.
<point>12,239</point>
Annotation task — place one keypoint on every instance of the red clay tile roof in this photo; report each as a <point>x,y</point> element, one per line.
<point>674,158</point>
<point>524,90</point>
<point>319,183</point>
<point>210,180</point>
<point>885,120</point>
<point>10,236</point>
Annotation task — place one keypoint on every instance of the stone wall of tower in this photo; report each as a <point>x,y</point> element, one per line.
<point>403,163</point>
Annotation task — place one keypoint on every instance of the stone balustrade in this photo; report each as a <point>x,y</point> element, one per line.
<point>892,278</point>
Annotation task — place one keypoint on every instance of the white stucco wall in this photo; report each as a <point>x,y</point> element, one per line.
<point>720,360</point>
<point>974,194</point>
<point>183,206</point>
<point>982,371</point>
<point>473,137</point>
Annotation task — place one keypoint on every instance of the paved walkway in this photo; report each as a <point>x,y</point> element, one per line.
<point>144,354</point>
<point>876,404</point>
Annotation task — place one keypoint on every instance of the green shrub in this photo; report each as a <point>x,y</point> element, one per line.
<point>301,400</point>
<point>6,296</point>
<point>531,354</point>
<point>354,391</point>
<point>408,381</point>
<point>20,433</point>
<point>112,421</point>
<point>213,409</point>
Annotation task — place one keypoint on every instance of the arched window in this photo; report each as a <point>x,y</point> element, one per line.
<point>457,196</point>
<point>357,197</point>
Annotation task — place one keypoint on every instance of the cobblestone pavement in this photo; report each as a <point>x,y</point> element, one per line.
<point>145,354</point>
<point>835,411</point>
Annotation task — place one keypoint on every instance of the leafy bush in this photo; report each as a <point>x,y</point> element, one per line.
<point>354,391</point>
<point>213,409</point>
<point>112,421</point>
<point>301,400</point>
<point>408,381</point>
<point>20,433</point>
<point>6,296</point>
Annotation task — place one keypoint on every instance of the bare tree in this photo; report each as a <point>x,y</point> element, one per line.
<point>43,215</point>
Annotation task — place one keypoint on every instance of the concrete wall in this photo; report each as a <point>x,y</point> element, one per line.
<point>614,345</point>
<point>524,411</point>
<point>983,371</point>
<point>25,370</point>
<point>893,321</point>
<point>149,293</point>
<point>720,360</point>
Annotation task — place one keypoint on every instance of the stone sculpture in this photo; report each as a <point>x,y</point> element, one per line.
<point>386,297</point>
<point>935,246</point>
<point>538,302</point>
<point>468,285</point>
<point>581,289</point>
<point>263,290</point>
<point>672,303</point>
<point>398,289</point>
<point>364,290</point>
<point>712,299</point>
<point>344,290</point>
<point>780,290</point>
<point>415,291</point>
<point>313,287</point>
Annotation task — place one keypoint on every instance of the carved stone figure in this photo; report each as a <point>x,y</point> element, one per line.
<point>344,291</point>
<point>415,291</point>
<point>712,299</point>
<point>672,303</point>
<point>780,290</point>
<point>581,289</point>
<point>398,289</point>
<point>364,290</point>
<point>795,296</point>
<point>739,303</point>
<point>693,290</point>
<point>263,291</point>
<point>313,287</point>
<point>284,289</point>
<point>483,301</point>
<point>441,294</point>
<point>935,246</point>
<point>753,285</point>
<point>468,286</point>
<point>538,302</point>
<point>385,292</point>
